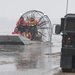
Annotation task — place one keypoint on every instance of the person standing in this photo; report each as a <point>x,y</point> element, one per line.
<point>21,25</point>
<point>32,23</point>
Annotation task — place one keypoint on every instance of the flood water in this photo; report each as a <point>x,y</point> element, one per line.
<point>32,59</point>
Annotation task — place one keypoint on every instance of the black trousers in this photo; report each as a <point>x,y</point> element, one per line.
<point>33,31</point>
<point>22,28</point>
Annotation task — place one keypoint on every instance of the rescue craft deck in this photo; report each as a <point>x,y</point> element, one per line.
<point>13,40</point>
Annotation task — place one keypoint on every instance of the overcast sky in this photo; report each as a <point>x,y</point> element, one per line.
<point>55,9</point>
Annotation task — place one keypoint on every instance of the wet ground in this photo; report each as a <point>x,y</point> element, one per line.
<point>32,59</point>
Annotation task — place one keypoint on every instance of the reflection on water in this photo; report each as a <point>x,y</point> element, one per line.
<point>11,48</point>
<point>28,57</point>
<point>26,63</point>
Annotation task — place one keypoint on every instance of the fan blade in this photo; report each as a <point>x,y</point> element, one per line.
<point>43,17</point>
<point>27,18</point>
<point>43,27</point>
<point>43,23</point>
<point>42,33</point>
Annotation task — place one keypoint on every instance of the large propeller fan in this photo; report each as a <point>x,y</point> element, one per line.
<point>45,27</point>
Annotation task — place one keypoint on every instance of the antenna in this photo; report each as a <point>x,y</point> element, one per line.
<point>67,6</point>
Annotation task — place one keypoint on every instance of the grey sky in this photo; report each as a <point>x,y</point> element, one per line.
<point>55,9</point>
